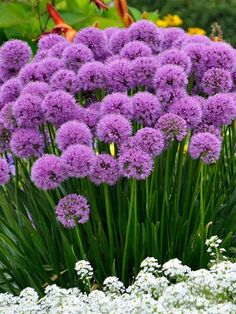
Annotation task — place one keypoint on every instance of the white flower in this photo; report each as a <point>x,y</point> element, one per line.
<point>174,268</point>
<point>84,270</point>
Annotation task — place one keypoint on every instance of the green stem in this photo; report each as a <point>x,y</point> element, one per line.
<point>109,223</point>
<point>82,252</point>
<point>16,182</point>
<point>202,214</point>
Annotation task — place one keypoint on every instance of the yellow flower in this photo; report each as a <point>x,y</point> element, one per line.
<point>161,23</point>
<point>196,31</point>
<point>173,20</point>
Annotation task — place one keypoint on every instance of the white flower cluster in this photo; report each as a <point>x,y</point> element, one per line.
<point>174,288</point>
<point>216,252</point>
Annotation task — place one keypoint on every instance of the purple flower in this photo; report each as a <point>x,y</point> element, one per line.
<point>106,170</point>
<point>143,70</point>
<point>92,76</point>
<point>150,140</point>
<point>147,32</point>
<point>72,209</point>
<point>14,54</point>
<point>170,34</point>
<point>91,118</point>
<point>176,57</point>
<point>4,172</point>
<point>73,132</point>
<point>94,39</point>
<point>79,160</point>
<point>168,96</point>
<point>118,40</point>
<point>219,109</point>
<point>75,56</point>
<point>41,55</point>
<point>146,108</point>
<point>188,108</point>
<point>65,80</point>
<point>203,128</point>
<point>220,55</point>
<point>48,41</point>
<point>39,89</point>
<point>135,49</point>
<point>216,81</point>
<point>119,77</point>
<point>47,67</point>
<point>29,73</point>
<point>117,103</point>
<point>197,54</point>
<point>6,73</point>
<point>109,31</point>
<point>5,136</point>
<point>172,127</point>
<point>170,76</point>
<point>205,146</point>
<point>27,111</point>
<point>10,91</point>
<point>48,172</point>
<point>7,118</point>
<point>26,143</point>
<point>57,50</point>
<point>135,163</point>
<point>197,39</point>
<point>59,107</point>
<point>113,128</point>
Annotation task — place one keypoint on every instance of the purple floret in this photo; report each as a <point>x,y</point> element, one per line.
<point>216,80</point>
<point>75,56</point>
<point>73,132</point>
<point>117,103</point>
<point>146,108</point>
<point>48,41</point>
<point>148,33</point>
<point>205,146</point>
<point>168,96</point>
<point>109,31</point>
<point>47,68</point>
<point>150,140</point>
<point>119,77</point>
<point>40,89</point>
<point>57,50</point>
<point>65,80</point>
<point>118,40</point>
<point>41,55</point>
<point>29,73</point>
<point>5,137</point>
<point>135,49</point>
<point>72,209</point>
<point>135,163</point>
<point>143,70</point>
<point>219,110</point>
<point>26,143</point>
<point>27,111</point>
<point>197,39</point>
<point>48,172</point>
<point>92,76</point>
<point>6,73</point>
<point>113,128</point>
<point>10,91</point>
<point>170,34</point>
<point>79,160</point>
<point>7,118</point>
<point>106,170</point>
<point>91,118</point>
<point>220,55</point>
<point>203,128</point>
<point>4,172</point>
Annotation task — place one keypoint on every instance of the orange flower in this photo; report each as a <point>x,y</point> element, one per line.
<point>123,12</point>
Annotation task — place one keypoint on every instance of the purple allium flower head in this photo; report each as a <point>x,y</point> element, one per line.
<point>73,132</point>
<point>7,118</point>
<point>57,50</point>
<point>113,58</point>
<point>146,108</point>
<point>135,49</point>
<point>75,55</point>
<point>113,128</point>
<point>106,170</point>
<point>48,172</point>
<point>219,109</point>
<point>147,32</point>
<point>59,107</point>
<point>26,143</point>
<point>118,40</point>
<point>119,78</point>
<point>143,70</point>
<point>203,128</point>
<point>79,160</point>
<point>6,73</point>
<point>72,209</point>
<point>15,53</point>
<point>117,103</point>
<point>27,111</point>
<point>168,96</point>
<point>29,73</point>
<point>10,91</point>
<point>65,80</point>
<point>179,41</point>
<point>176,57</point>
<point>5,136</point>
<point>94,39</point>
<point>92,76</point>
<point>47,67</point>
<point>172,126</point>
<point>170,76</point>
<point>150,141</point>
<point>4,172</point>
<point>135,163</point>
<point>40,89</point>
<point>109,31</point>
<point>220,55</point>
<point>188,108</point>
<point>48,41</point>
<point>205,146</point>
<point>41,55</point>
<point>197,54</point>
<point>216,80</point>
<point>91,118</point>
<point>170,34</point>
<point>197,39</point>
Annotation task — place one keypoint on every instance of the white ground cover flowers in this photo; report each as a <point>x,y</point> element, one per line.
<point>171,289</point>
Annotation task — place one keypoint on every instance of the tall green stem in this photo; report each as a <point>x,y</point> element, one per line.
<point>109,223</point>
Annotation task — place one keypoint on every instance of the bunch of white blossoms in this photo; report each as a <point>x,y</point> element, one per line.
<point>172,288</point>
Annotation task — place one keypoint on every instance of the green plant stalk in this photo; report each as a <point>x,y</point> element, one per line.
<point>16,183</point>
<point>109,223</point>
<point>202,214</point>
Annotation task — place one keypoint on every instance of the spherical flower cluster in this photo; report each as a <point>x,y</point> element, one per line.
<point>74,56</point>
<point>170,34</point>
<point>118,40</point>
<point>170,77</point>
<point>48,41</point>
<point>220,55</point>
<point>92,76</point>
<point>57,50</point>
<point>119,78</point>
<point>73,132</point>
<point>64,80</point>
<point>117,103</point>
<point>10,91</point>
<point>4,171</point>
<point>46,68</point>
<point>135,49</point>
<point>205,146</point>
<point>29,73</point>
<point>176,57</point>
<point>7,118</point>
<point>39,89</point>
<point>216,80</point>
<point>72,209</point>
<point>150,141</point>
<point>143,70</point>
<point>197,54</point>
